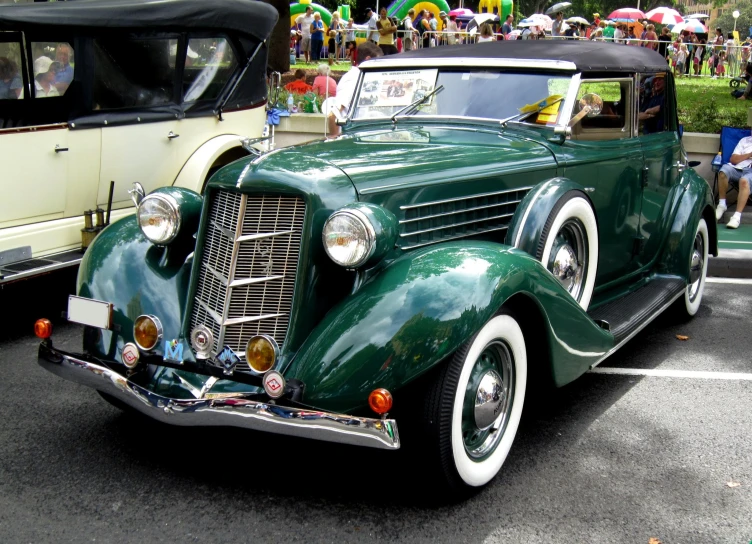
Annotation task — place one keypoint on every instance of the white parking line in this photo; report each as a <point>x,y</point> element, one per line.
<point>696,374</point>
<point>738,281</point>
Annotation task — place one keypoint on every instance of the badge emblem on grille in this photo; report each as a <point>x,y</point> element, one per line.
<point>264,251</point>
<point>173,351</point>
<point>202,341</point>
<point>228,360</point>
<point>274,384</point>
<point>130,355</point>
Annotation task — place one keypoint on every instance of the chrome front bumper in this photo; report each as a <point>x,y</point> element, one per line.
<point>231,412</point>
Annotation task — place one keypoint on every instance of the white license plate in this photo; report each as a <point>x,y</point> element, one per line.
<point>86,311</point>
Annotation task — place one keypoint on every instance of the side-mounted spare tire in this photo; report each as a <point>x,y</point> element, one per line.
<point>568,245</point>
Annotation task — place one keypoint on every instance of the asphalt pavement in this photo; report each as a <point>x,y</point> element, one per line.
<point>620,455</point>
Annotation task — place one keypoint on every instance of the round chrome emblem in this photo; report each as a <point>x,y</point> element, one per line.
<point>488,399</point>
<point>131,355</point>
<point>274,384</point>
<point>202,341</point>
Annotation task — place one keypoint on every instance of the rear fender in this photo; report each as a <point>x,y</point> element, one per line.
<point>693,203</point>
<point>531,215</point>
<point>422,307</point>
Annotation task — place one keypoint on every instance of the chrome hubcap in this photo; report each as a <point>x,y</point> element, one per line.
<point>696,266</point>
<point>568,262</point>
<point>488,400</point>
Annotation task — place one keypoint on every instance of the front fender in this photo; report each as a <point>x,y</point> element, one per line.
<point>122,267</point>
<point>531,215</point>
<point>421,308</point>
<point>694,202</point>
<point>194,171</point>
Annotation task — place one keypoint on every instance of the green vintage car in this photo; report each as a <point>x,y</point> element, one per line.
<point>490,216</point>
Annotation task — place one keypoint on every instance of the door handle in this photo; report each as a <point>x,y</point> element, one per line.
<point>172,135</point>
<point>680,166</point>
<point>59,149</point>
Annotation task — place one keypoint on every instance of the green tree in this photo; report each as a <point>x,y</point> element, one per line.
<point>726,21</point>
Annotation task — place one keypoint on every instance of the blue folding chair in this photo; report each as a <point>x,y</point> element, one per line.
<point>730,136</point>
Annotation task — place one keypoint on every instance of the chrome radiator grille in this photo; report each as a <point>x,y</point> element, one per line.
<point>248,268</point>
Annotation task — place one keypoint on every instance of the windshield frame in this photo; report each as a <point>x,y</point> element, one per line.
<point>564,116</point>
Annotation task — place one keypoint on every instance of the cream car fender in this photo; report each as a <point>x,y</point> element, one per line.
<point>195,170</point>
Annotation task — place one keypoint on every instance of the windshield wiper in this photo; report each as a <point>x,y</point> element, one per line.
<point>415,104</point>
<point>524,115</point>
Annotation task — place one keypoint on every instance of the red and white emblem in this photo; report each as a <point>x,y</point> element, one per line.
<point>131,355</point>
<point>274,384</point>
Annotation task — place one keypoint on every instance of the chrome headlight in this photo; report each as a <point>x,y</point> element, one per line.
<point>359,234</point>
<point>349,238</point>
<point>159,218</point>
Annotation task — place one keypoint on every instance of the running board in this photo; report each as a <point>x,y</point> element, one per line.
<point>628,315</point>
<point>13,269</point>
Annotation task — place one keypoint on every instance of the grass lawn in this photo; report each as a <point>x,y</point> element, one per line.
<point>705,105</point>
<point>336,67</point>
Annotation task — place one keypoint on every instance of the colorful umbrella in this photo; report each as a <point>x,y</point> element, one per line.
<point>462,12</point>
<point>629,14</point>
<point>544,21</point>
<point>664,16</point>
<point>693,25</point>
<point>559,6</point>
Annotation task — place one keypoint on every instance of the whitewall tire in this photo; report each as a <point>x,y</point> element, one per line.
<point>568,246</point>
<point>698,270</point>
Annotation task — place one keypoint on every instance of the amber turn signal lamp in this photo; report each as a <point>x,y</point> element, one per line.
<point>43,328</point>
<point>261,353</point>
<point>147,330</point>
<point>380,401</point>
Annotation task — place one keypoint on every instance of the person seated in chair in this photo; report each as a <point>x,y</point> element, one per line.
<point>738,170</point>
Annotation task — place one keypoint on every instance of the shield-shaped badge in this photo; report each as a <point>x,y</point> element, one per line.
<point>228,360</point>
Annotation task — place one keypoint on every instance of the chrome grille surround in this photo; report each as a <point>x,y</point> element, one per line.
<point>248,267</point>
<point>432,222</point>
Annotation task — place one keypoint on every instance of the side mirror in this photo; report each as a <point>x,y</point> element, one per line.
<point>137,193</point>
<point>593,102</point>
<point>694,164</point>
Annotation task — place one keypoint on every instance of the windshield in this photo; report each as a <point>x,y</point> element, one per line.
<point>495,95</point>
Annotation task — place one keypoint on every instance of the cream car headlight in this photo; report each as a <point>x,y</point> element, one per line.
<point>359,234</point>
<point>159,218</point>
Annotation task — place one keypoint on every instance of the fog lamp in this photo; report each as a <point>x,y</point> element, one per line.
<point>380,401</point>
<point>147,331</point>
<point>43,328</point>
<point>261,353</point>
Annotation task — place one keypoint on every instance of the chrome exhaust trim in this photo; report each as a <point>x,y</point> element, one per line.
<point>231,412</point>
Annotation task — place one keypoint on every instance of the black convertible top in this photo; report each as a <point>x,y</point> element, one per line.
<point>585,56</point>
<point>249,17</point>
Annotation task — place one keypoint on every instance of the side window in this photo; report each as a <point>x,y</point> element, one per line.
<point>209,63</point>
<point>53,65</point>
<point>130,72</point>
<point>653,111</point>
<point>614,120</point>
<point>11,81</point>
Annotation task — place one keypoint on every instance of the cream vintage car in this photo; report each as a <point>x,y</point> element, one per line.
<point>100,91</point>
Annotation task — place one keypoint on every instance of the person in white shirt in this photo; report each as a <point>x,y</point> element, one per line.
<point>337,106</point>
<point>738,169</point>
<point>409,33</point>
<point>373,29</point>
<point>304,22</point>
<point>557,24</point>
<point>44,77</point>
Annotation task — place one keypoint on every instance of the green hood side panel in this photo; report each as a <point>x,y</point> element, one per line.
<point>421,308</point>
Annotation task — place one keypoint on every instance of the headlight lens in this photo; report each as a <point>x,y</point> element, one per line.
<point>349,238</point>
<point>159,218</point>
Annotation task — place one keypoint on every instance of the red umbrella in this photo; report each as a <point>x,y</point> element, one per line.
<point>627,13</point>
<point>462,12</point>
<point>664,16</point>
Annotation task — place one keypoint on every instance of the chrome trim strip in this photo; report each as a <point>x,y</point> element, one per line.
<point>249,237</point>
<point>247,414</point>
<point>402,222</point>
<point>216,274</point>
<point>388,62</point>
<point>248,281</point>
<point>638,329</point>
<point>466,235</point>
<point>237,320</point>
<point>215,316</point>
<point>227,233</point>
<point>231,273</point>
<point>458,199</point>
<point>568,105</point>
<point>8,277</point>
<point>453,225</point>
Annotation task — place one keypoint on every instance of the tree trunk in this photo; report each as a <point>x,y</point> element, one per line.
<point>279,42</point>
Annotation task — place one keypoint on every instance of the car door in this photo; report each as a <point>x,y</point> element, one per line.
<point>663,160</point>
<point>135,94</point>
<point>603,155</point>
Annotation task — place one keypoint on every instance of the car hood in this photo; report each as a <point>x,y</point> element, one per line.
<point>388,159</point>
